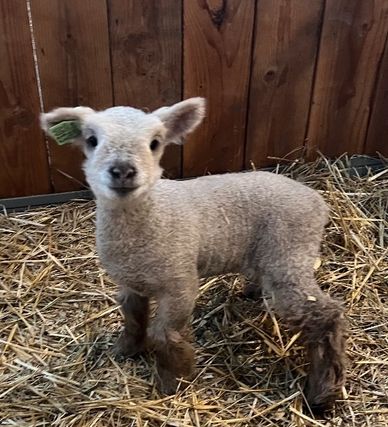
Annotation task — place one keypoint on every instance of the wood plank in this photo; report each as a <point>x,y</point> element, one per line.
<point>285,48</point>
<point>217,56</point>
<point>378,126</point>
<point>352,42</point>
<point>23,158</point>
<point>146,48</point>
<point>72,41</point>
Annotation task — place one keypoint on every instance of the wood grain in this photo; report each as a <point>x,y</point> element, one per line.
<point>217,55</point>
<point>72,41</point>
<point>377,137</point>
<point>285,48</point>
<point>24,167</point>
<point>146,48</point>
<point>353,37</point>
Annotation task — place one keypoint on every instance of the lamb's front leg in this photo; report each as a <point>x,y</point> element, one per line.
<point>169,334</point>
<point>135,309</point>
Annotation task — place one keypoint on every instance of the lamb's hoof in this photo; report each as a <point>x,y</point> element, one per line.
<point>167,384</point>
<point>126,347</point>
<point>319,409</point>
<point>252,291</point>
<point>321,403</point>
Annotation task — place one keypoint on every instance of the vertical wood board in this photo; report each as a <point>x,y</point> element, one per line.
<point>352,42</point>
<point>217,57</point>
<point>285,48</point>
<point>377,138</point>
<point>146,49</point>
<point>24,167</point>
<point>72,41</point>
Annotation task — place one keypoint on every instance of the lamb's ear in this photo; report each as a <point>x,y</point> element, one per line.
<point>182,118</point>
<point>61,114</point>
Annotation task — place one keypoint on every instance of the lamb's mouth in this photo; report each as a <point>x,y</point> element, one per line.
<point>123,191</point>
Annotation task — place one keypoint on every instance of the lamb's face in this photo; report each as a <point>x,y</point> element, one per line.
<point>123,146</point>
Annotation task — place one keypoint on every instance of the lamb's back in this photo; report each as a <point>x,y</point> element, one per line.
<point>250,195</point>
<point>226,215</point>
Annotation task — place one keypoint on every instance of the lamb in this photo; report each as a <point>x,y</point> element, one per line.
<point>156,238</point>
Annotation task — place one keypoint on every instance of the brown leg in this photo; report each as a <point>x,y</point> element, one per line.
<point>325,348</point>
<point>321,321</point>
<point>174,360</point>
<point>135,309</point>
<point>169,334</point>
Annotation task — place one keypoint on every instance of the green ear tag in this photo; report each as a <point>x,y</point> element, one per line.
<point>65,132</point>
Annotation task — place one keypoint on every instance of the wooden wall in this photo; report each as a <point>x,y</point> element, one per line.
<point>280,77</point>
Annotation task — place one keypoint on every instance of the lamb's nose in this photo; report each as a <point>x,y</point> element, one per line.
<point>122,171</point>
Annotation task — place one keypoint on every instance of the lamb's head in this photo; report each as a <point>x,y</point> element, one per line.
<point>123,145</point>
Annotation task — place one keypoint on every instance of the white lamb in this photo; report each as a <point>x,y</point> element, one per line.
<point>157,237</point>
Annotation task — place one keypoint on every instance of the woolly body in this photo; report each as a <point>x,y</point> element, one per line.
<point>156,238</point>
<point>211,225</point>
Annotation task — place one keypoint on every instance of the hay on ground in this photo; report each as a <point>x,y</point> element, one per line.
<point>59,319</point>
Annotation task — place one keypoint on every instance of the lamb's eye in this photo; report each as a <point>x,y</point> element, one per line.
<point>92,141</point>
<point>154,144</point>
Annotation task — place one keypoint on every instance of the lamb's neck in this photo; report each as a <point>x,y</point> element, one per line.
<point>132,210</point>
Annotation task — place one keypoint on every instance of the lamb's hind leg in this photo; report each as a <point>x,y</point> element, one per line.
<point>305,308</point>
<point>169,333</point>
<point>135,309</point>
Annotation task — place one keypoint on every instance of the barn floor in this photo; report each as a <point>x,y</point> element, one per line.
<point>58,321</point>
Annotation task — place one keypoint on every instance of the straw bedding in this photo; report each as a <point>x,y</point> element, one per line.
<point>59,319</point>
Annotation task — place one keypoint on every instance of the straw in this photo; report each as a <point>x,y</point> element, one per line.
<point>58,322</point>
